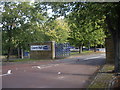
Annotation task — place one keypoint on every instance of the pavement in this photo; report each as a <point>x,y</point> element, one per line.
<point>73,72</point>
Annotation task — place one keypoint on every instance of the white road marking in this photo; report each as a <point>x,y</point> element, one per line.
<point>39,67</point>
<point>56,64</point>
<point>59,73</point>
<point>60,77</point>
<point>36,67</point>
<point>8,73</point>
<point>5,74</point>
<point>45,66</point>
<point>92,58</point>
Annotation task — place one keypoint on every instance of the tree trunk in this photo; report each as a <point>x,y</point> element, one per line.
<point>117,51</point>
<point>88,47</point>
<point>95,49</point>
<point>22,53</point>
<point>18,52</point>
<point>101,46</point>
<point>8,55</point>
<point>80,48</point>
<point>113,25</point>
<point>116,38</point>
<point>9,41</point>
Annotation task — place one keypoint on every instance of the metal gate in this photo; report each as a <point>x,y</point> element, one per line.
<point>62,50</point>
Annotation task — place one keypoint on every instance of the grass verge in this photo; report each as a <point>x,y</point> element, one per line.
<point>85,53</point>
<point>23,60</point>
<point>103,78</point>
<point>28,59</point>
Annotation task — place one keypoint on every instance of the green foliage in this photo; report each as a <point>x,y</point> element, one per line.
<point>58,31</point>
<point>25,23</point>
<point>87,17</point>
<point>83,32</point>
<point>19,22</point>
<point>21,25</point>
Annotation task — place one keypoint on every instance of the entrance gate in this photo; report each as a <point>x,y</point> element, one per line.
<point>62,50</point>
<point>49,50</point>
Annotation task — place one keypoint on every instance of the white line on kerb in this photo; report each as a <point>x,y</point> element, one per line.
<point>8,73</point>
<point>92,58</point>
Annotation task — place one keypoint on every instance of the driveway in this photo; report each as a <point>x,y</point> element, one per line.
<point>74,72</point>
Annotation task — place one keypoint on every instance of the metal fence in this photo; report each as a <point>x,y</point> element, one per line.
<point>62,50</point>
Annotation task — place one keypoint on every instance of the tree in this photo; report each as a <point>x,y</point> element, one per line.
<point>112,16</point>
<point>25,23</point>
<point>57,30</point>
<point>96,11</point>
<point>19,21</point>
<point>85,32</point>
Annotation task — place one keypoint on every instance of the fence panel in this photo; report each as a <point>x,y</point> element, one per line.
<point>62,50</point>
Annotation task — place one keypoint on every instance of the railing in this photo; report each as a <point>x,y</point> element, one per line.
<point>62,50</point>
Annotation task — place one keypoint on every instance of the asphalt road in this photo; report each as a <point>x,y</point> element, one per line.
<point>73,72</point>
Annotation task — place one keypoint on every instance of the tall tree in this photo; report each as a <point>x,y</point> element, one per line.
<point>96,11</point>
<point>20,21</point>
<point>85,32</point>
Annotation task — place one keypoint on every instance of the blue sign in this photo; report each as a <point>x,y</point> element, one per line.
<point>40,47</point>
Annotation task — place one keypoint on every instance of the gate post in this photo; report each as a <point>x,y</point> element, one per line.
<point>53,49</point>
